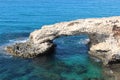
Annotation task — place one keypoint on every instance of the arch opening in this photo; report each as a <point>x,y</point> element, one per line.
<point>72,44</point>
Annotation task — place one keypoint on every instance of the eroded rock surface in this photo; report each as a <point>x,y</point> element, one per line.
<point>104,34</point>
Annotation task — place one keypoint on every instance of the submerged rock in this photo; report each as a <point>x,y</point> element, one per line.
<point>104,35</point>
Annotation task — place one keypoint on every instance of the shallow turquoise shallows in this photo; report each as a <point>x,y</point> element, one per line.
<point>71,60</point>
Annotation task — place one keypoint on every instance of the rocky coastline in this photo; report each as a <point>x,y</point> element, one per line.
<point>104,35</point>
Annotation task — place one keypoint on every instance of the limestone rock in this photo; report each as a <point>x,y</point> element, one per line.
<point>104,34</point>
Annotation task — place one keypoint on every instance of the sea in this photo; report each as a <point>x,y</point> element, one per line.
<point>70,61</point>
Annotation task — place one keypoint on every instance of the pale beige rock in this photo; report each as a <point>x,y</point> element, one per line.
<point>100,31</point>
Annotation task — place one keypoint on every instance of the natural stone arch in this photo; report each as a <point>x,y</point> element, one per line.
<point>100,31</point>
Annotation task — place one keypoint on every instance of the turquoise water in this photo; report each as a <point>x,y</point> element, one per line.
<point>71,61</point>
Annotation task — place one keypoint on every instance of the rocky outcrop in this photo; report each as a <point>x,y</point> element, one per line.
<point>104,34</point>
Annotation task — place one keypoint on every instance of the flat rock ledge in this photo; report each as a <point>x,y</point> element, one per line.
<point>104,35</point>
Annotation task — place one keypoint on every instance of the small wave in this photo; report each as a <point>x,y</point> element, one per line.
<point>3,53</point>
<point>84,41</point>
<point>18,41</point>
<point>13,41</point>
<point>96,59</point>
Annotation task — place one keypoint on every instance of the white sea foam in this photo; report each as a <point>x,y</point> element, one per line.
<point>96,59</point>
<point>18,41</point>
<point>83,41</point>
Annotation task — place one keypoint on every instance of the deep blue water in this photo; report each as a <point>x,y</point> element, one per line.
<point>71,61</point>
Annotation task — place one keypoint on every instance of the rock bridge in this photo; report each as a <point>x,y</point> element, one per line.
<point>104,35</point>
